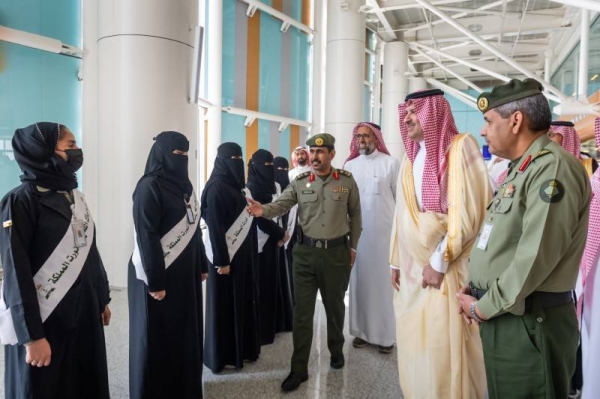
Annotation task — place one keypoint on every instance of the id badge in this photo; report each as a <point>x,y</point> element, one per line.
<point>190,214</point>
<point>79,233</point>
<point>484,237</point>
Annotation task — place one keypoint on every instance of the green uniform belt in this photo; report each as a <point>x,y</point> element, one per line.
<point>546,299</point>
<point>322,243</point>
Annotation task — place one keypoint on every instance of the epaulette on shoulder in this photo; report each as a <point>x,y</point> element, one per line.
<point>344,172</point>
<point>541,153</point>
<point>302,175</point>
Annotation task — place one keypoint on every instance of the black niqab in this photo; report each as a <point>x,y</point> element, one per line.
<point>282,167</point>
<point>261,177</point>
<point>226,169</point>
<point>34,148</point>
<point>164,164</point>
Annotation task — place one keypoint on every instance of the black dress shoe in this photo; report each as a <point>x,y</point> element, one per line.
<point>337,361</point>
<point>293,381</point>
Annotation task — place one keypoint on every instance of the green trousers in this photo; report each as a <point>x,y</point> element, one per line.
<point>327,271</point>
<point>531,356</point>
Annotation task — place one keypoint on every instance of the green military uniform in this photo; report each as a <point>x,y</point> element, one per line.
<point>523,266</point>
<point>330,218</point>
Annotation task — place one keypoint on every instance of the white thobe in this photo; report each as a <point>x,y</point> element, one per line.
<point>590,334</point>
<point>437,258</point>
<point>496,167</point>
<point>371,294</point>
<point>296,171</point>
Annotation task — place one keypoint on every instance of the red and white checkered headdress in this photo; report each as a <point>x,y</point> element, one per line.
<point>439,129</point>
<point>592,245</point>
<point>354,144</point>
<point>570,141</point>
<point>293,157</point>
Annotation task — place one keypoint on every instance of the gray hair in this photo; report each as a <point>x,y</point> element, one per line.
<point>535,108</point>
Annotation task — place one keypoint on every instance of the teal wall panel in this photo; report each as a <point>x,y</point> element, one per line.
<point>58,19</point>
<point>270,65</point>
<point>233,130</point>
<point>284,144</point>
<point>36,85</point>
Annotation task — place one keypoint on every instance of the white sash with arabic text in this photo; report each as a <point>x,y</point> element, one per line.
<point>57,275</point>
<point>173,243</point>
<point>235,235</point>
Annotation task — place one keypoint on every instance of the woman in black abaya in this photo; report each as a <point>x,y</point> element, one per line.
<point>165,311</point>
<point>65,355</point>
<point>270,233</point>
<point>285,258</point>
<point>232,291</point>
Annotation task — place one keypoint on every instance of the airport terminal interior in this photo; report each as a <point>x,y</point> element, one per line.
<point>268,74</point>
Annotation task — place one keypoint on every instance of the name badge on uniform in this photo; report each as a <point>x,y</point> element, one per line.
<point>190,214</point>
<point>484,236</point>
<point>79,233</point>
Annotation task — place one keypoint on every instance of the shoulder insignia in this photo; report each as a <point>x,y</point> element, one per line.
<point>344,172</point>
<point>541,153</point>
<point>552,191</point>
<point>302,175</point>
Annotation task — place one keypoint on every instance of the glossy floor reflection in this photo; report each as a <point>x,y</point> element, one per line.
<point>367,373</point>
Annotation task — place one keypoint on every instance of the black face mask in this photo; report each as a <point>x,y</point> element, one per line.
<point>74,158</point>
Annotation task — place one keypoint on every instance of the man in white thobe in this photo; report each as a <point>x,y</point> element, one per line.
<point>371,296</point>
<point>300,162</point>
<point>443,190</point>
<point>589,300</point>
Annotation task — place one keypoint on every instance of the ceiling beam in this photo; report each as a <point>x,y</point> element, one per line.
<point>408,4</point>
<point>388,33</point>
<point>463,51</point>
<point>451,72</point>
<point>459,15</point>
<point>556,92</point>
<point>593,5</point>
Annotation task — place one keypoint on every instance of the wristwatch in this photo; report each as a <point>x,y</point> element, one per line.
<point>473,313</point>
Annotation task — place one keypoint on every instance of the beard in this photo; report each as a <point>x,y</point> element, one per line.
<point>302,161</point>
<point>368,149</point>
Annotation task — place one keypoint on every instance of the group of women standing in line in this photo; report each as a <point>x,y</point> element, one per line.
<point>55,291</point>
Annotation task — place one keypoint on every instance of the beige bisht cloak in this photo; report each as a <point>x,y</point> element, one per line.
<point>439,354</point>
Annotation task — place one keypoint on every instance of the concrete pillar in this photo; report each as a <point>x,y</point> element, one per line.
<point>395,88</point>
<point>584,48</point>
<point>377,83</point>
<point>345,72</point>
<point>215,82</point>
<point>415,84</point>
<point>318,68</point>
<point>145,54</point>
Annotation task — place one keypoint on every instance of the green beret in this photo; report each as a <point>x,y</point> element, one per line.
<point>321,140</point>
<point>514,90</point>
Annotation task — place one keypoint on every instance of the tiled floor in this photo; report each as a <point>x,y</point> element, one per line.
<point>367,374</point>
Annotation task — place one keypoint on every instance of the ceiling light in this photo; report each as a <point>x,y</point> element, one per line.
<point>475,27</point>
<point>475,52</point>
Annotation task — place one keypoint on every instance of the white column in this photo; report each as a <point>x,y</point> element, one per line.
<point>215,81</point>
<point>345,72</point>
<point>144,63</point>
<point>548,65</point>
<point>318,67</point>
<point>395,89</point>
<point>583,55</point>
<point>377,83</point>
<point>415,84</point>
<point>89,105</point>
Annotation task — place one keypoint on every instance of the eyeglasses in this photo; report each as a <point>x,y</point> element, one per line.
<point>361,136</point>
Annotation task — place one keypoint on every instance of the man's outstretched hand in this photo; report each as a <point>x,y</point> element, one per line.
<point>254,208</point>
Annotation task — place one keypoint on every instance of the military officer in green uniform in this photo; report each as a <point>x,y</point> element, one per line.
<point>330,223</point>
<point>524,264</point>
